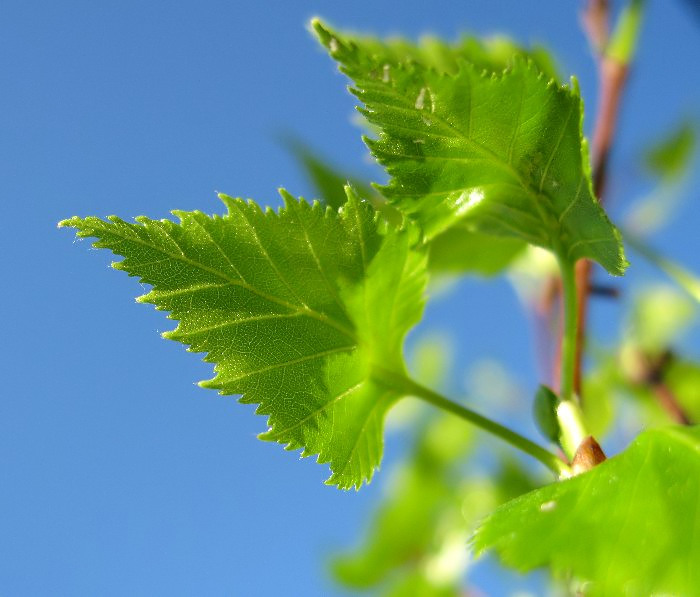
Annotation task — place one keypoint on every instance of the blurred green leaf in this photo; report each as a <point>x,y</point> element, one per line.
<point>459,249</point>
<point>686,279</point>
<point>432,359</point>
<point>458,152</point>
<point>418,582</point>
<point>683,377</point>
<point>544,409</point>
<point>407,529</point>
<point>670,160</point>
<point>418,537</point>
<point>624,38</point>
<point>658,317</point>
<point>328,181</point>
<point>670,157</point>
<point>626,525</point>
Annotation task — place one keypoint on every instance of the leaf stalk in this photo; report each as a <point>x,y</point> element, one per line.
<point>410,387</point>
<point>569,332</point>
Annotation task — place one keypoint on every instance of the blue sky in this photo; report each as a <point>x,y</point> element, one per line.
<point>119,476</point>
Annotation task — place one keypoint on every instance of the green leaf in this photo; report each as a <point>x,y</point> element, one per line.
<point>628,525</point>
<point>544,409</point>
<point>686,279</point>
<point>295,307</point>
<point>683,377</point>
<point>659,316</point>
<point>670,157</point>
<point>459,249</point>
<point>500,154</point>
<point>328,181</point>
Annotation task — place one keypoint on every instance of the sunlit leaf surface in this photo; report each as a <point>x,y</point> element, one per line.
<point>499,153</point>
<point>294,307</point>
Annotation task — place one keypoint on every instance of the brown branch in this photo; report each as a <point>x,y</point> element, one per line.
<point>612,76</point>
<point>668,401</point>
<point>545,310</point>
<point>650,371</point>
<point>596,20</point>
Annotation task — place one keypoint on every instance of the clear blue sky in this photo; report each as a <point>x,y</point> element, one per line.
<point>118,476</point>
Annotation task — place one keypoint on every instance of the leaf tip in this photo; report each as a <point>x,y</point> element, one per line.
<point>69,222</point>
<point>316,24</point>
<point>209,384</point>
<point>317,27</point>
<point>287,198</point>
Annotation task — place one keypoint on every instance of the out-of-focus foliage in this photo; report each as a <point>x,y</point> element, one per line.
<point>659,316</point>
<point>669,161</point>
<point>459,250</point>
<point>416,542</point>
<point>686,279</point>
<point>329,182</point>
<point>670,157</point>
<point>418,536</point>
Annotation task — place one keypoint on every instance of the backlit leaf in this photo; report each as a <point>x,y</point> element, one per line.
<point>502,154</point>
<point>294,307</point>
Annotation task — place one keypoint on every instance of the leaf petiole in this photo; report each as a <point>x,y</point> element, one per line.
<point>571,420</point>
<point>568,339</point>
<point>410,387</point>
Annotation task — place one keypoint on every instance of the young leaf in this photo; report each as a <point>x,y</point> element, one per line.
<point>501,154</point>
<point>295,307</point>
<point>627,525</point>
<point>460,249</point>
